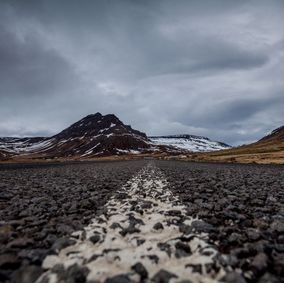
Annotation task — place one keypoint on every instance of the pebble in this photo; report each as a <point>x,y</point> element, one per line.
<point>163,276</point>
<point>9,261</point>
<point>62,243</point>
<point>95,238</point>
<point>118,279</point>
<point>141,270</point>
<point>20,243</point>
<point>201,226</point>
<point>27,274</point>
<point>158,226</point>
<point>233,277</point>
<point>260,262</point>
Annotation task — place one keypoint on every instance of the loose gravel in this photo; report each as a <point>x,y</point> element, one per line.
<point>40,206</point>
<point>244,207</point>
<point>138,221</point>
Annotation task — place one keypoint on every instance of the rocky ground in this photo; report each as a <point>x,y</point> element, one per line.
<point>243,206</point>
<point>160,221</point>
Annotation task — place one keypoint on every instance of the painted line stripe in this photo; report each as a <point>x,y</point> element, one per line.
<point>144,224</point>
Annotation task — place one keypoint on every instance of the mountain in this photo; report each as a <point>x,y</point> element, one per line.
<point>97,135</point>
<point>94,135</point>
<point>269,149</point>
<point>274,141</point>
<point>189,142</point>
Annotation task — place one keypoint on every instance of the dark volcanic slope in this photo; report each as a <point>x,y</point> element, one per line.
<point>275,136</point>
<point>97,135</point>
<point>244,207</point>
<point>41,204</point>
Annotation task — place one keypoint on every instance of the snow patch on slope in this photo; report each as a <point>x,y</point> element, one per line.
<point>189,142</point>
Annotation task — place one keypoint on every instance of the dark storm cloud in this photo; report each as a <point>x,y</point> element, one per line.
<point>240,109</point>
<point>203,67</point>
<point>28,69</point>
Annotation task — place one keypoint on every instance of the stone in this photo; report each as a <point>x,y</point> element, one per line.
<point>235,238</point>
<point>201,226</point>
<point>163,276</point>
<point>129,230</point>
<point>277,226</point>
<point>141,270</point>
<point>62,243</point>
<point>158,226</point>
<point>195,267</point>
<point>35,256</point>
<point>95,238</point>
<point>259,262</point>
<point>182,250</point>
<point>173,212</point>
<point>27,274</point>
<point>77,273</point>
<point>9,261</point>
<point>122,278</point>
<point>269,278</point>
<point>165,247</point>
<point>20,243</point>
<point>185,229</point>
<point>253,234</point>
<point>154,258</point>
<point>233,277</point>
<point>115,225</point>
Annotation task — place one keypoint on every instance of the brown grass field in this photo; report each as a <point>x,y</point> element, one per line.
<point>262,152</point>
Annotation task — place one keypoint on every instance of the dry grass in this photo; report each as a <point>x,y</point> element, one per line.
<point>265,152</point>
<point>40,159</point>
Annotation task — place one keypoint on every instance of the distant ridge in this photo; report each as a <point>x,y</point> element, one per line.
<point>189,142</point>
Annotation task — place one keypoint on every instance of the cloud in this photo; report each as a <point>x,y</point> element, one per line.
<point>203,67</point>
<point>29,69</point>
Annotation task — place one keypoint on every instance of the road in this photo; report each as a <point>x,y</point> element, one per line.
<point>159,221</point>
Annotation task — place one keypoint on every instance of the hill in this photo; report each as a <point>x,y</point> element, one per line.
<point>269,149</point>
<point>189,142</point>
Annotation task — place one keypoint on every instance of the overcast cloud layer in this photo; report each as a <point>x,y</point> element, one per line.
<point>212,68</point>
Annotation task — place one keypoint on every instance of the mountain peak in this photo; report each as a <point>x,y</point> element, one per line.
<point>96,115</point>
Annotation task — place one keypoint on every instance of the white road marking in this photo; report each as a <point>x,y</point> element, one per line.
<point>126,236</point>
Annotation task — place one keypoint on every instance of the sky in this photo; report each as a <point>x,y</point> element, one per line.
<point>205,67</point>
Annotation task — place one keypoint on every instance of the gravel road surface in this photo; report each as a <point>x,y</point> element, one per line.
<point>141,221</point>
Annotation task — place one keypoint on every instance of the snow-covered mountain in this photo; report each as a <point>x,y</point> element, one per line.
<point>189,142</point>
<point>94,135</point>
<point>21,145</point>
